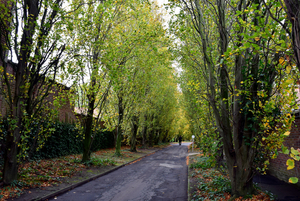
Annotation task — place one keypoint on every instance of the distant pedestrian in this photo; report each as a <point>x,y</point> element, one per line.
<point>180,139</point>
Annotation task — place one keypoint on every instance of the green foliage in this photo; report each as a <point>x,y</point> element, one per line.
<point>3,134</point>
<point>102,140</point>
<point>64,141</point>
<point>238,75</point>
<point>290,163</point>
<point>293,180</point>
<point>67,140</point>
<point>99,162</point>
<point>204,163</point>
<point>294,156</point>
<point>215,187</point>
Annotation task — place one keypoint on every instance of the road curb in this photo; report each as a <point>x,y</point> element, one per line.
<point>188,180</point>
<point>61,191</point>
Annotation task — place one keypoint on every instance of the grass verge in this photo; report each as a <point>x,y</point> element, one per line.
<point>208,183</point>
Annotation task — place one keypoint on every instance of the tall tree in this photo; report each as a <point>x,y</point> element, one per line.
<point>242,71</point>
<point>32,41</point>
<point>89,31</point>
<point>140,32</point>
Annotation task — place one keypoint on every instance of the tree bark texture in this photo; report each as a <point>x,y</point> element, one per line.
<point>88,128</point>
<point>10,170</point>
<point>134,134</point>
<point>144,133</point>
<point>119,128</point>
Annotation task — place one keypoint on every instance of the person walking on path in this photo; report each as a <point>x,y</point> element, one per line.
<point>180,139</point>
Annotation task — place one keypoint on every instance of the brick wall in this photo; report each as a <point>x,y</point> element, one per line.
<point>65,110</point>
<point>3,103</point>
<point>2,2</point>
<point>81,116</point>
<point>3,28</point>
<point>278,166</point>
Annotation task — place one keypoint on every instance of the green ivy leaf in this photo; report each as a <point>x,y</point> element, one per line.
<point>285,150</point>
<point>293,180</point>
<point>290,163</point>
<point>294,151</point>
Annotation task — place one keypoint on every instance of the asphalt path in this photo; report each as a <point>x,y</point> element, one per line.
<point>160,176</point>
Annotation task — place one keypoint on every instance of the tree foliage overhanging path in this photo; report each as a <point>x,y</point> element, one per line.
<point>115,55</point>
<point>236,84</point>
<point>240,72</point>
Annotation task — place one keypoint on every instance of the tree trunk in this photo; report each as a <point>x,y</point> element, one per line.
<point>165,137</point>
<point>134,133</point>
<point>91,96</point>
<point>220,156</point>
<point>159,134</point>
<point>238,157</point>
<point>144,133</point>
<point>10,168</point>
<point>119,134</point>
<point>151,131</point>
<point>88,128</point>
<point>151,138</point>
<point>223,74</point>
<point>240,167</point>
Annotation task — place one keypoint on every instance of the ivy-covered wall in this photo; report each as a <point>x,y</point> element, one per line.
<point>278,167</point>
<point>66,140</point>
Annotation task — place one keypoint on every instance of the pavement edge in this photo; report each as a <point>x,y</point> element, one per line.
<point>61,191</point>
<point>188,188</point>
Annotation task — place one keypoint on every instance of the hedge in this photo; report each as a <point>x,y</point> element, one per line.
<point>66,140</point>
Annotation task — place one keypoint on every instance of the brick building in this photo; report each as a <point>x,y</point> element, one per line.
<point>58,92</point>
<point>65,111</point>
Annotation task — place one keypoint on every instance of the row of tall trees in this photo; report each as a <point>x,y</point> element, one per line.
<point>119,55</point>
<point>238,74</point>
<point>113,55</point>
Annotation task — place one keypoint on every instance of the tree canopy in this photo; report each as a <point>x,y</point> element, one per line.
<point>224,71</point>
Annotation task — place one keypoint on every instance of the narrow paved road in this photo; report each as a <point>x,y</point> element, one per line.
<point>160,176</point>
